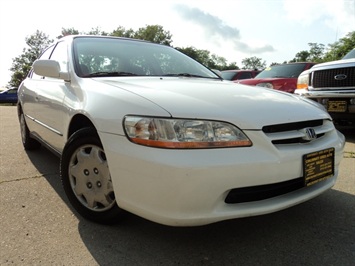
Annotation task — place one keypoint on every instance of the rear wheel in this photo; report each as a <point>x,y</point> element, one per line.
<point>28,142</point>
<point>86,178</point>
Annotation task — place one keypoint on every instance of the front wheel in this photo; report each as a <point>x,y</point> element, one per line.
<point>86,178</point>
<point>27,142</point>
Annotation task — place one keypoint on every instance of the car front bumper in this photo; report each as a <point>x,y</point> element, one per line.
<point>324,97</point>
<point>189,187</point>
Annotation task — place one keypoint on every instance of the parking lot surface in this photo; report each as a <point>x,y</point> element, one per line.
<point>38,226</point>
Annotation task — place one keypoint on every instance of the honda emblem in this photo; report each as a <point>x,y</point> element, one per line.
<point>309,134</point>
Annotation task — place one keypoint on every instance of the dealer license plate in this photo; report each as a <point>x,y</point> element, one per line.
<point>337,106</point>
<point>318,166</point>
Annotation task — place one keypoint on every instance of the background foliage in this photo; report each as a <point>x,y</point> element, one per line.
<point>38,41</point>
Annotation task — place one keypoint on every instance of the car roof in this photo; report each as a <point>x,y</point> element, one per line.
<point>72,37</point>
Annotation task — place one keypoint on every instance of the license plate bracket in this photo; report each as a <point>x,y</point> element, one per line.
<point>318,166</point>
<point>337,106</point>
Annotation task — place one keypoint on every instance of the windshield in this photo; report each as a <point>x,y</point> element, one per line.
<point>228,75</point>
<point>99,57</point>
<point>282,71</point>
<point>349,55</point>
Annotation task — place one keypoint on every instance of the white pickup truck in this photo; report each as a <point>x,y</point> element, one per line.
<point>333,85</point>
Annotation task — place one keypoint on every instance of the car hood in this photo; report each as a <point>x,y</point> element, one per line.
<point>255,81</point>
<point>335,64</point>
<point>248,108</point>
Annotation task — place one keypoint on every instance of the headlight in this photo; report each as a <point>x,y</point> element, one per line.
<point>303,80</point>
<point>183,134</point>
<point>266,85</point>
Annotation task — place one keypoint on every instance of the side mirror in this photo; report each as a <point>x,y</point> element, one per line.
<point>49,68</point>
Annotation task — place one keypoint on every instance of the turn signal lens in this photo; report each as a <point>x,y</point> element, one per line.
<point>183,134</point>
<point>302,86</point>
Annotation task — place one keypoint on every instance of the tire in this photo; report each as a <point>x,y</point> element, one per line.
<point>86,178</point>
<point>27,142</point>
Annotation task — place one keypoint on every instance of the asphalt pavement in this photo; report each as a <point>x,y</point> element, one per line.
<point>39,227</point>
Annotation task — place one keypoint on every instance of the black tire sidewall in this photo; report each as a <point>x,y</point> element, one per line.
<point>27,142</point>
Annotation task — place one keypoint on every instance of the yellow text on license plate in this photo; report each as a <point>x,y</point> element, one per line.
<point>318,166</point>
<point>337,106</point>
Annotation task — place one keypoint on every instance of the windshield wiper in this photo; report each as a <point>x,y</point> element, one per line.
<point>280,76</point>
<point>184,75</point>
<point>110,74</point>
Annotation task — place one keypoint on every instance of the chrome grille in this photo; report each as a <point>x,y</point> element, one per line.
<point>294,133</point>
<point>326,78</point>
<point>292,126</point>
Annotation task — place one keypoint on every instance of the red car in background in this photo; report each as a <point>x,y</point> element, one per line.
<point>279,77</point>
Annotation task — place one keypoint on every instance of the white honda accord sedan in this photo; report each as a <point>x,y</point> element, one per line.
<point>143,128</point>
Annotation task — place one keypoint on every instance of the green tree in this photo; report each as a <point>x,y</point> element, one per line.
<point>301,56</point>
<point>231,66</point>
<point>97,31</point>
<point>202,56</point>
<point>340,48</point>
<point>316,52</point>
<point>334,51</point>
<point>22,64</point>
<point>189,51</point>
<point>68,31</point>
<point>154,33</point>
<point>253,63</point>
<point>218,62</point>
<point>122,32</point>
<point>207,59</point>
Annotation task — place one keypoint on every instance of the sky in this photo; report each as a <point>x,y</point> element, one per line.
<point>273,30</point>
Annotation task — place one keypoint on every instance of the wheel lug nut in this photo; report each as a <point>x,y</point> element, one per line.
<point>86,172</point>
<point>89,185</point>
<point>96,171</point>
<point>98,183</point>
